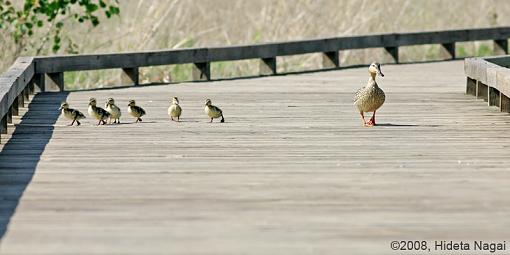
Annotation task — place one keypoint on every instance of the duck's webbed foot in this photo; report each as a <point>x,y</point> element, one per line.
<point>371,122</point>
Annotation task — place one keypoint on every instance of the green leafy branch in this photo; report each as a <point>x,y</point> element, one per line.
<point>22,21</point>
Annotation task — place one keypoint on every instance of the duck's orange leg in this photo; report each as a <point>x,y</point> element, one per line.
<point>362,118</point>
<point>371,122</point>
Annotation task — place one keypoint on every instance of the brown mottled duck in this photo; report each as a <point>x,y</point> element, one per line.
<point>371,97</point>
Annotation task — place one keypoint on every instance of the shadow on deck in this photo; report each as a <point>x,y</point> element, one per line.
<point>21,154</point>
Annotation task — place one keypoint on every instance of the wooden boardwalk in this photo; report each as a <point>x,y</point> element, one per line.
<point>292,171</point>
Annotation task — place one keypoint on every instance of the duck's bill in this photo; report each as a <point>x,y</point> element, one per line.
<point>379,71</point>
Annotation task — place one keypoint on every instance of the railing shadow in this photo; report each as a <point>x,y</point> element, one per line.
<point>22,152</point>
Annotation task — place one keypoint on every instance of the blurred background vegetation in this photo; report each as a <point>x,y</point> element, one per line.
<point>171,24</point>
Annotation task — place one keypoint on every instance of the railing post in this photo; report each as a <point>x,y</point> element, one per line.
<point>26,94</point>
<point>201,71</point>
<point>504,103</point>
<point>330,59</point>
<point>393,51</point>
<point>130,76</point>
<point>56,80</point>
<point>267,66</point>
<point>31,87</point>
<point>21,99</point>
<point>15,107</point>
<point>493,97</point>
<point>3,125</point>
<point>9,115</point>
<point>448,50</point>
<point>471,87</point>
<point>40,82</point>
<point>481,91</point>
<point>500,47</point>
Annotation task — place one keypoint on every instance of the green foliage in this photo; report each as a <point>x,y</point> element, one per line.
<point>22,21</point>
<point>483,50</point>
<point>461,52</point>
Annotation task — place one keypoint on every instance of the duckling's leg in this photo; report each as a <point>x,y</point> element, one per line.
<point>78,122</point>
<point>222,119</point>
<point>99,123</point>
<point>172,118</point>
<point>140,119</point>
<point>178,119</point>
<point>211,120</point>
<point>72,123</point>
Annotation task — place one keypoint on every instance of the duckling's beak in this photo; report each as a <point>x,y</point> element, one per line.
<point>60,108</point>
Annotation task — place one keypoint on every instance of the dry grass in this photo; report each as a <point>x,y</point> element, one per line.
<point>163,24</point>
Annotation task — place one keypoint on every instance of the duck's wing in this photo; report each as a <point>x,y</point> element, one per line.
<point>358,94</point>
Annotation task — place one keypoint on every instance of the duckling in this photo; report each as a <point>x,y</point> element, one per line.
<point>213,111</point>
<point>97,112</point>
<point>135,111</point>
<point>371,97</point>
<point>71,114</point>
<point>175,110</point>
<point>113,110</point>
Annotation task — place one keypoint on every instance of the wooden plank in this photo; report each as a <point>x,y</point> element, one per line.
<point>125,60</point>
<point>291,171</point>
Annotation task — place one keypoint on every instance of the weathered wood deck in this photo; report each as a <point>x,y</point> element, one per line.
<point>290,172</point>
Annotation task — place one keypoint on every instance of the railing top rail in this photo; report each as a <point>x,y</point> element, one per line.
<point>490,71</point>
<point>55,64</point>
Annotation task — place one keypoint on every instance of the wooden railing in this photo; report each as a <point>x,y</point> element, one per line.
<point>19,80</point>
<point>489,79</point>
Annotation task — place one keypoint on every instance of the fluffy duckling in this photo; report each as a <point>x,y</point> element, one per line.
<point>175,110</point>
<point>371,97</point>
<point>113,110</point>
<point>97,112</point>
<point>71,114</point>
<point>135,111</point>
<point>212,111</point>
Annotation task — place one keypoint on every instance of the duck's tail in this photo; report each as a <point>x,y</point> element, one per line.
<point>222,119</point>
